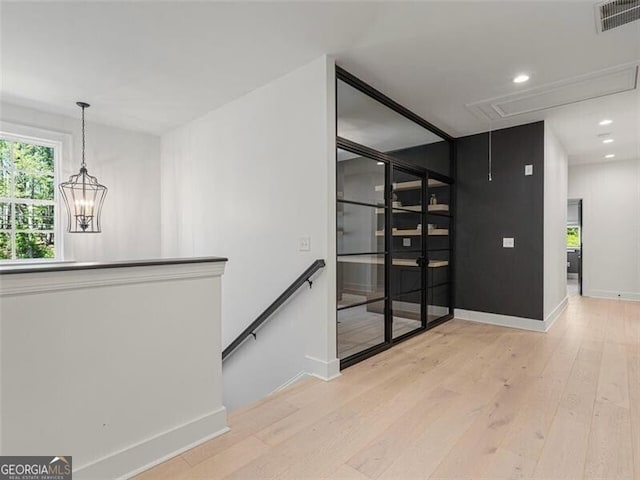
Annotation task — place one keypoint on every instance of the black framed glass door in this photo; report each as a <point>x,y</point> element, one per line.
<point>394,224</point>
<point>408,252</point>
<point>362,254</point>
<point>439,248</point>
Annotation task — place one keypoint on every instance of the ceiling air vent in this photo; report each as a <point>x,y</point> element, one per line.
<point>610,15</point>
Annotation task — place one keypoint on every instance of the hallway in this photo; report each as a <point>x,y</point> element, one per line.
<point>463,400</point>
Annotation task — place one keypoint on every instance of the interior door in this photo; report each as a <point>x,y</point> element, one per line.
<point>407,242</point>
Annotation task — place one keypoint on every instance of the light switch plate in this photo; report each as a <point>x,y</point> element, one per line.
<point>508,243</point>
<point>304,244</point>
<point>406,242</point>
<point>528,170</point>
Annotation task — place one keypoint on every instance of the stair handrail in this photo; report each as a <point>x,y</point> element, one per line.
<point>305,277</point>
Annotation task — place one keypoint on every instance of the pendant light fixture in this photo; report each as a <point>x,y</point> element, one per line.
<point>83,195</point>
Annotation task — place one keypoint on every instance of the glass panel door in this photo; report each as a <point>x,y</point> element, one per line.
<point>408,251</point>
<point>439,225</point>
<point>362,254</point>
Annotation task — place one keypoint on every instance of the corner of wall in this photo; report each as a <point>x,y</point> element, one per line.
<point>555,221</point>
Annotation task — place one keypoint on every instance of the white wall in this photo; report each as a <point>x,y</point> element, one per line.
<point>611,227</point>
<point>573,214</point>
<point>555,223</point>
<point>246,181</point>
<point>128,376</point>
<point>127,162</point>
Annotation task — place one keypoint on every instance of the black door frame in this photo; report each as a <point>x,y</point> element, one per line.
<point>581,253</point>
<point>390,161</point>
<point>578,202</point>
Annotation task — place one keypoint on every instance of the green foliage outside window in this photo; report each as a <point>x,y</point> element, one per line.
<point>27,194</point>
<point>573,237</point>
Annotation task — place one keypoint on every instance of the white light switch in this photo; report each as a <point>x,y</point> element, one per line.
<point>508,243</point>
<point>528,170</point>
<point>304,244</point>
<point>406,242</point>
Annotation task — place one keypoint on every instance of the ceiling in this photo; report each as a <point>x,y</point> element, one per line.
<point>152,66</point>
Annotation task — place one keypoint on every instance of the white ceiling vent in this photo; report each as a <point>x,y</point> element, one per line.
<point>616,13</point>
<point>585,87</point>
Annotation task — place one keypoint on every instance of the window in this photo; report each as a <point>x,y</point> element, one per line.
<point>573,237</point>
<point>28,198</point>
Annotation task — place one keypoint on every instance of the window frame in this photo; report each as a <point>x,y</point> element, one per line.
<point>569,247</point>
<point>59,142</point>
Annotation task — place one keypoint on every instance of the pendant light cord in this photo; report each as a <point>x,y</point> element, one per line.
<point>490,154</point>
<point>84,165</point>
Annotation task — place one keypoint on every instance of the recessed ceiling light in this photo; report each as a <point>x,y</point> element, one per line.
<point>610,155</point>
<point>606,121</point>
<point>521,78</point>
<point>608,140</point>
<point>380,163</point>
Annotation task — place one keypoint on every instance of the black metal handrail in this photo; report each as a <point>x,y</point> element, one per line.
<point>251,329</point>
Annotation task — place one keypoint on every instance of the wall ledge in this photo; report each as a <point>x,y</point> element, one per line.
<point>50,278</point>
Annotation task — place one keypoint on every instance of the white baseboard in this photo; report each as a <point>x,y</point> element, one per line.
<point>556,312</point>
<point>513,322</point>
<point>632,296</point>
<point>137,458</point>
<point>323,370</point>
<point>297,377</point>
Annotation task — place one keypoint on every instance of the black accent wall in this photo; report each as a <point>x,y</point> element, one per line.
<point>433,156</point>
<point>490,278</point>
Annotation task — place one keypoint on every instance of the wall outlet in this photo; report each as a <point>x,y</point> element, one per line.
<point>304,244</point>
<point>406,242</point>
<point>528,170</point>
<point>508,243</point>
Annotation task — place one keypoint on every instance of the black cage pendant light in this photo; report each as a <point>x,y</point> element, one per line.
<point>83,195</point>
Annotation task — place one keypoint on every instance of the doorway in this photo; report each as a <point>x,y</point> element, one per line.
<point>575,250</point>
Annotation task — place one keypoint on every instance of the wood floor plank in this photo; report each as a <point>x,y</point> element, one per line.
<point>462,401</point>
<point>528,433</point>
<point>609,454</point>
<point>328,397</point>
<point>377,456</point>
<point>345,472</point>
<point>474,452</point>
<point>507,465</point>
<point>422,457</point>
<point>613,384</point>
<point>633,369</point>
<point>171,469</point>
<point>228,460</point>
<point>565,449</point>
<point>242,426</point>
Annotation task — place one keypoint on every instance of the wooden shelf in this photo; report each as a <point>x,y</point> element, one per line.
<point>414,232</point>
<point>403,209</point>
<point>438,263</point>
<point>401,233</point>
<point>412,185</point>
<point>397,262</point>
<point>439,207</point>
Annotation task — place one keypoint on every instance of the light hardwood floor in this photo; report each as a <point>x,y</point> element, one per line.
<point>461,401</point>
